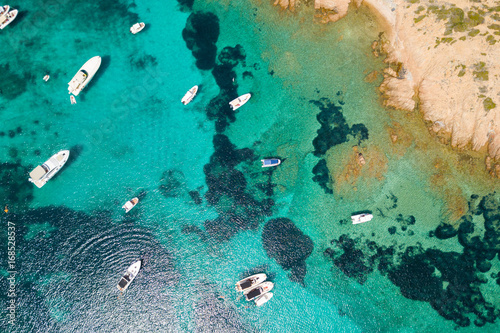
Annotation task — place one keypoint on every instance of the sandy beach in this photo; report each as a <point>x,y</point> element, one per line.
<point>442,62</point>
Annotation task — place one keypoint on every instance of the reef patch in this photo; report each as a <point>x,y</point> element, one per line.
<point>449,281</point>
<point>334,130</point>
<point>200,34</point>
<point>238,210</point>
<point>288,245</point>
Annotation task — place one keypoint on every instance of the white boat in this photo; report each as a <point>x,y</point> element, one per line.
<point>270,162</point>
<point>130,204</point>
<point>263,299</point>
<point>258,290</point>
<point>84,75</point>
<point>72,99</point>
<point>238,102</point>
<point>6,18</point>
<point>4,9</point>
<point>250,281</point>
<point>43,173</point>
<point>360,218</point>
<point>188,97</point>
<point>46,78</point>
<point>129,276</point>
<point>137,27</point>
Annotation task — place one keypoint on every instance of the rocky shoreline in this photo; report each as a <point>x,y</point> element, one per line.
<point>442,61</point>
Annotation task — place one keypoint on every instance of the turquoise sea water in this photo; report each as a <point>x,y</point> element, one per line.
<point>208,213</point>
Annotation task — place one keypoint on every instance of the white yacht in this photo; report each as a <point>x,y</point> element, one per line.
<point>84,75</point>
<point>360,218</point>
<point>270,162</point>
<point>43,173</point>
<point>188,97</point>
<point>129,276</point>
<point>130,204</point>
<point>263,299</point>
<point>72,99</point>
<point>4,9</point>
<point>6,18</point>
<point>46,77</point>
<point>240,101</point>
<point>137,27</point>
<point>250,281</point>
<point>258,290</point>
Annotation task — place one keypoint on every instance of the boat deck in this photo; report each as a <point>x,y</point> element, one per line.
<point>253,293</point>
<point>123,282</point>
<point>246,284</point>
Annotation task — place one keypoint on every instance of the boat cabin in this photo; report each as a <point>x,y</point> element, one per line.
<point>38,172</point>
<point>124,281</point>
<point>77,80</point>
<point>253,293</point>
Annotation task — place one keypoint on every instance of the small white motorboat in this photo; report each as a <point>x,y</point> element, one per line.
<point>263,299</point>
<point>43,173</point>
<point>46,78</point>
<point>137,27</point>
<point>6,18</point>
<point>361,218</point>
<point>240,101</point>
<point>188,97</point>
<point>4,9</point>
<point>72,99</point>
<point>130,204</point>
<point>270,162</point>
<point>129,276</point>
<point>84,75</point>
<point>250,281</point>
<point>258,290</point>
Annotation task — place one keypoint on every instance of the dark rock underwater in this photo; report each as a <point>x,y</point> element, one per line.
<point>449,281</point>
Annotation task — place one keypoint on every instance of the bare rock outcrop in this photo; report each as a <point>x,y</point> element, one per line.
<point>442,55</point>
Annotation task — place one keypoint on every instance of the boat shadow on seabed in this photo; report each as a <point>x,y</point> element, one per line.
<point>105,61</point>
<point>74,154</point>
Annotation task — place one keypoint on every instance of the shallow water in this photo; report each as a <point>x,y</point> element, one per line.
<point>207,212</point>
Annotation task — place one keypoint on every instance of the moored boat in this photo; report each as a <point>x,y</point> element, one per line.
<point>137,27</point>
<point>6,18</point>
<point>360,218</point>
<point>130,204</point>
<point>72,99</point>
<point>84,75</point>
<point>43,173</point>
<point>270,162</point>
<point>46,78</point>
<point>263,299</point>
<point>4,9</point>
<point>250,281</point>
<point>129,276</point>
<point>188,97</point>
<point>258,290</point>
<point>240,101</point>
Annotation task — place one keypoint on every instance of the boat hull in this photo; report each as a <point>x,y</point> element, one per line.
<point>4,9</point>
<point>137,27</point>
<point>258,290</point>
<point>7,18</point>
<point>240,101</point>
<point>84,75</point>
<point>250,282</point>
<point>129,276</point>
<point>270,162</point>
<point>130,204</point>
<point>263,299</point>
<point>361,218</point>
<point>43,173</point>
<point>188,97</point>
